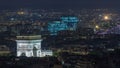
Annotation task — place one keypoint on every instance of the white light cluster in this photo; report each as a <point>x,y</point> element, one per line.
<point>26,48</point>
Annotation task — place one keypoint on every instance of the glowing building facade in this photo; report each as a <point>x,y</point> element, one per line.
<point>30,46</point>
<point>71,22</point>
<point>65,23</point>
<point>56,26</point>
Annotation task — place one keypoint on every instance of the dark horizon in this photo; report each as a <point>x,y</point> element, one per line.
<point>58,4</point>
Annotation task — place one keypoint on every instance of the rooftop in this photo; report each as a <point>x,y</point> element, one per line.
<point>33,37</point>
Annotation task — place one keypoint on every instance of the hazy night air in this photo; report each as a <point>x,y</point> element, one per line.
<point>59,3</point>
<point>59,33</point>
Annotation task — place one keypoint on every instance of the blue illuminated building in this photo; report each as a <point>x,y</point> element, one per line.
<point>71,22</point>
<point>56,26</point>
<point>65,23</point>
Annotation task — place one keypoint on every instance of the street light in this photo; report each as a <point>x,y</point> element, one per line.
<point>97,27</point>
<point>106,17</point>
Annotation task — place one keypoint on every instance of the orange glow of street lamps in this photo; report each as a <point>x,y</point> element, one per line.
<point>106,17</point>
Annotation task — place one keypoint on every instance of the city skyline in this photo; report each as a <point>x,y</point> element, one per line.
<point>59,33</point>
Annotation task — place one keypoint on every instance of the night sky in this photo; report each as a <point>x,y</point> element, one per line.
<point>59,4</point>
